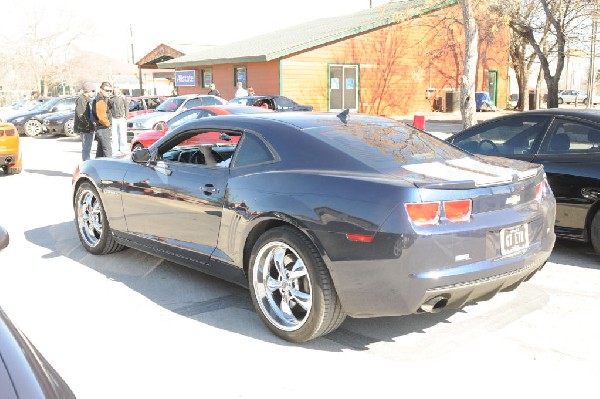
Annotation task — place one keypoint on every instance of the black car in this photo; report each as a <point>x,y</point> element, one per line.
<point>323,216</point>
<point>24,372</point>
<point>567,143</point>
<point>31,122</point>
<point>276,103</point>
<point>60,124</point>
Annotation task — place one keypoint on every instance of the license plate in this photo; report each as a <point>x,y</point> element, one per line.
<point>513,239</point>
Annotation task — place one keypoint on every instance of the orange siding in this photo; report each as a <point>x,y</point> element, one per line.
<point>397,64</point>
<point>262,77</point>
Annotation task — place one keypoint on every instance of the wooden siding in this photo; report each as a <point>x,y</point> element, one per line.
<point>397,64</point>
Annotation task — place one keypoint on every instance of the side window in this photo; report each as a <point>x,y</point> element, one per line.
<point>210,101</point>
<point>570,137</point>
<point>505,136</point>
<point>284,103</point>
<point>200,148</point>
<point>252,150</point>
<point>135,105</point>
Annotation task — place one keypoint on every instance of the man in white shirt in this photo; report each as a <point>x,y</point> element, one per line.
<point>241,92</point>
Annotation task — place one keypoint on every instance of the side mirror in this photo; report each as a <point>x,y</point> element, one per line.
<point>161,126</point>
<point>4,238</point>
<point>141,156</point>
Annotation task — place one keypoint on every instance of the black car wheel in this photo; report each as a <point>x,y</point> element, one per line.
<point>33,128</point>
<point>92,224</point>
<point>560,100</point>
<point>595,232</point>
<point>291,288</point>
<point>69,131</point>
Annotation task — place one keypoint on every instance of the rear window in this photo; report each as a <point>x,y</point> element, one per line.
<point>386,147</point>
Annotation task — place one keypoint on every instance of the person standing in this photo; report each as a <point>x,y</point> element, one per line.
<point>240,92</point>
<point>82,123</point>
<point>103,117</point>
<point>119,107</point>
<point>213,91</point>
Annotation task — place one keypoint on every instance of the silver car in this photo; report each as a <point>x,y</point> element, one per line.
<point>168,109</point>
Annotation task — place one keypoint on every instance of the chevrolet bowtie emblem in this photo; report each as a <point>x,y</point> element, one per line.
<point>513,200</point>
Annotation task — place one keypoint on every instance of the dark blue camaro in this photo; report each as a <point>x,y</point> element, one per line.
<point>323,216</point>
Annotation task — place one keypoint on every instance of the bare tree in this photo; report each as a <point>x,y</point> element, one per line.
<point>547,31</point>
<point>467,84</point>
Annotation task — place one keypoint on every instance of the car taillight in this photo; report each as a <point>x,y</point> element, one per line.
<point>428,213</point>
<point>458,211</point>
<point>75,174</point>
<point>541,190</point>
<point>423,213</point>
<point>9,132</point>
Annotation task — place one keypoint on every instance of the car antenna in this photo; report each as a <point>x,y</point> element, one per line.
<point>344,115</point>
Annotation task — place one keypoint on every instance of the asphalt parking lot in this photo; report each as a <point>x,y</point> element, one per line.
<point>129,325</point>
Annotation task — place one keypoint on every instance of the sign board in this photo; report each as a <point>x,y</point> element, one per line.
<point>185,78</point>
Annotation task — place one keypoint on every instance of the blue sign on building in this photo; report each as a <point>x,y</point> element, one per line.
<point>185,78</point>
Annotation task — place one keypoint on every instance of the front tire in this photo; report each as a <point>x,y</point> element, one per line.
<point>69,128</point>
<point>137,146</point>
<point>291,288</point>
<point>33,128</point>
<point>92,224</point>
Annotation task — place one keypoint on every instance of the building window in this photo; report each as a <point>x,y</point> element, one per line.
<point>239,75</point>
<point>207,77</point>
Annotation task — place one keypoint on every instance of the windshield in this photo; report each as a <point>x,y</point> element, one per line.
<point>47,106</point>
<point>171,105</point>
<point>387,147</point>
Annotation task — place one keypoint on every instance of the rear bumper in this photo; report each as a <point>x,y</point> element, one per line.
<point>394,287</point>
<point>8,159</point>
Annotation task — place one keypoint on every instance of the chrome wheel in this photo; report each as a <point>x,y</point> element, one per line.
<point>89,218</point>
<point>33,127</point>
<point>282,286</point>
<point>69,130</point>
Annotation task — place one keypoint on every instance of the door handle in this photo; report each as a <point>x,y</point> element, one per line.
<point>209,189</point>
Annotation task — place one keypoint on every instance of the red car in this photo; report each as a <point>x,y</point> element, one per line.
<point>145,140</point>
<point>139,105</point>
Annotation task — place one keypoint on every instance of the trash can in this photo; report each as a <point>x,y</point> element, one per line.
<point>532,99</point>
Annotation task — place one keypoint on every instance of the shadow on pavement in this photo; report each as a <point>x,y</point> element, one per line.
<point>187,292</point>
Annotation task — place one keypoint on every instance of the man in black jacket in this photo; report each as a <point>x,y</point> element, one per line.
<point>82,123</point>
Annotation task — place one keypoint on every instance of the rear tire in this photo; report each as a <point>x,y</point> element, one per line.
<point>595,232</point>
<point>91,221</point>
<point>291,288</point>
<point>560,100</point>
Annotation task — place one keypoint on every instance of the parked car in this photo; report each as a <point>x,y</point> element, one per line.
<point>323,216</point>
<point>31,122</point>
<point>11,159</point>
<point>276,103</point>
<point>567,143</point>
<point>24,372</point>
<point>571,96</point>
<point>483,101</point>
<point>139,105</point>
<point>168,109</point>
<point>145,140</point>
<point>20,107</point>
<point>596,99</point>
<point>60,123</point>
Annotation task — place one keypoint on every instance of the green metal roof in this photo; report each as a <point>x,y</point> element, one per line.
<point>305,36</point>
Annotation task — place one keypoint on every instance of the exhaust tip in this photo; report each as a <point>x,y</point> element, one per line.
<point>435,304</point>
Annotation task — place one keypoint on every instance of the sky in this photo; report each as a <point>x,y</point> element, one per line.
<point>112,26</point>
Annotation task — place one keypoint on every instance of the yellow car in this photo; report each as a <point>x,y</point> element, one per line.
<point>10,153</point>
